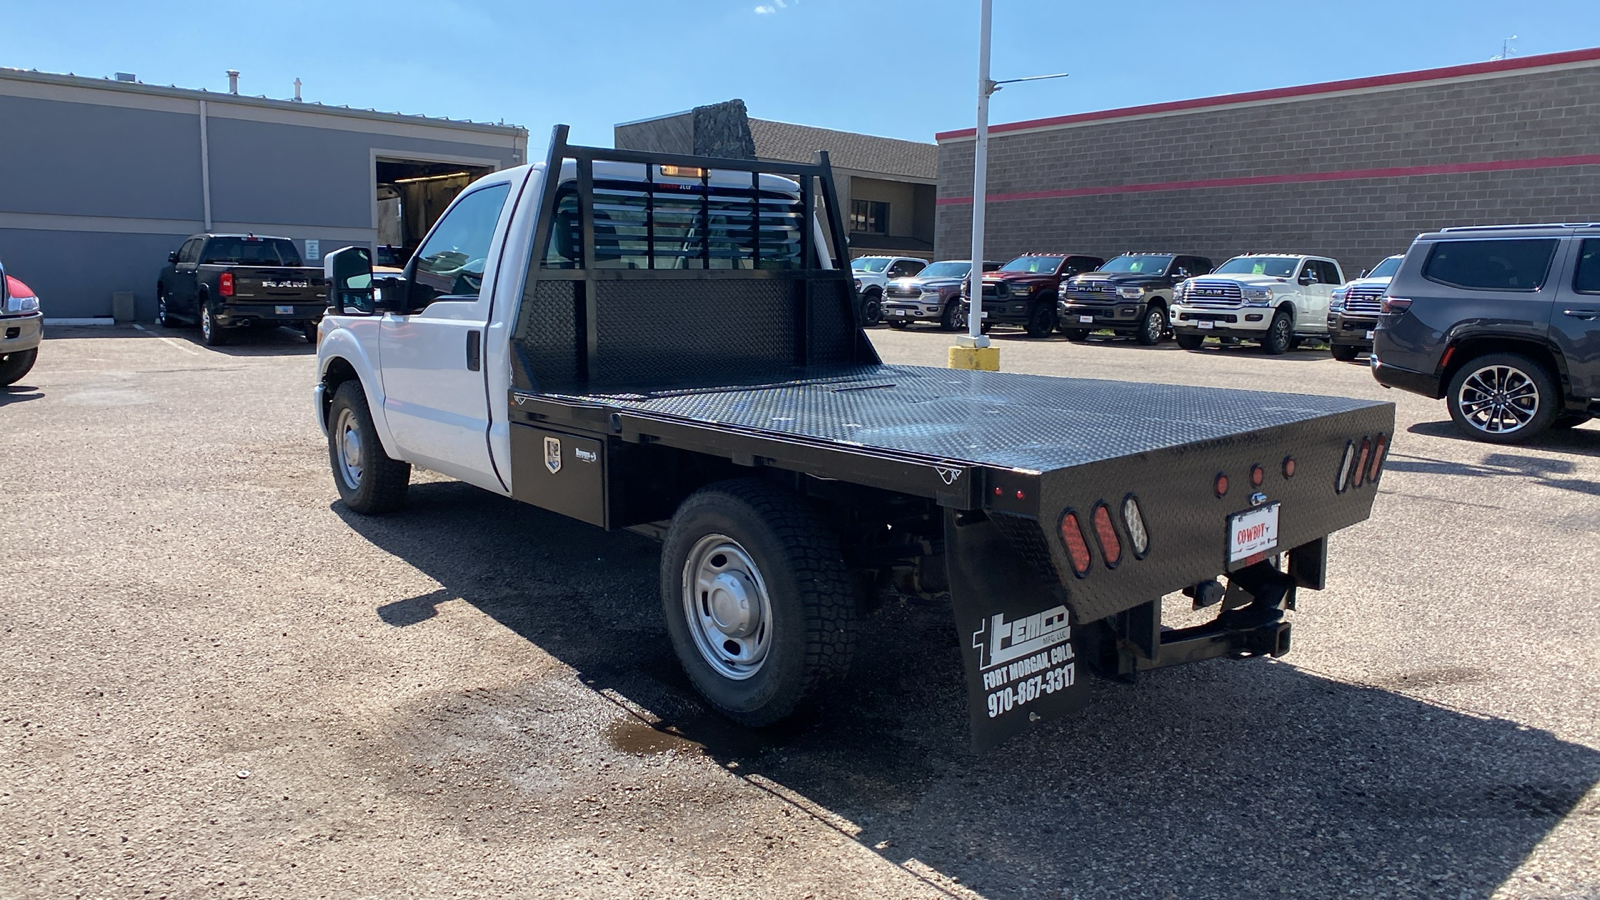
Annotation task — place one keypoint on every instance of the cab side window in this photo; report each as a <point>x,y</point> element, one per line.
<point>452,259</point>
<point>189,253</point>
<point>905,268</point>
<point>1327,272</point>
<point>1586,280</point>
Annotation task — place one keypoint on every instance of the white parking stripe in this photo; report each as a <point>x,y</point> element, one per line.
<point>187,349</point>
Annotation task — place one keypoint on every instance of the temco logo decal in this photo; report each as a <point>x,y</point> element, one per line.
<point>552,454</point>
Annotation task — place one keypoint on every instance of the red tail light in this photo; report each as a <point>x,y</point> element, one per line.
<point>1378,452</point>
<point>225,284</point>
<point>1257,475</point>
<point>1361,462</point>
<point>1221,485</point>
<point>1395,305</point>
<point>1077,545</point>
<point>1106,534</point>
<point>1288,467</point>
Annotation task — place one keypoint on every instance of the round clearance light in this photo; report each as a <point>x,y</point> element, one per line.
<point>1221,485</point>
<point>1106,534</point>
<point>1133,518</point>
<point>1361,462</point>
<point>1257,475</point>
<point>1344,467</point>
<point>1379,451</point>
<point>1077,545</point>
<point>1288,467</point>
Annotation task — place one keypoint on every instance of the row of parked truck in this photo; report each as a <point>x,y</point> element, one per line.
<point>1275,299</point>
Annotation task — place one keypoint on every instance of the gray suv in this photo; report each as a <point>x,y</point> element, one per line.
<point>1502,322</point>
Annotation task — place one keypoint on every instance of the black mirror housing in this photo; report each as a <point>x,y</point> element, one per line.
<point>172,256</point>
<point>348,272</point>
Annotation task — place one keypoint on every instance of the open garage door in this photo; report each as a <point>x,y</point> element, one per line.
<point>412,195</point>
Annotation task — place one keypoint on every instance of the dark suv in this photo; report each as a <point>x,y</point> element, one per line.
<point>1502,322</point>
<point>1024,291</point>
<point>1128,295</point>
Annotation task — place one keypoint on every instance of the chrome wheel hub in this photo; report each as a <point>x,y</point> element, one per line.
<point>1498,399</point>
<point>726,607</point>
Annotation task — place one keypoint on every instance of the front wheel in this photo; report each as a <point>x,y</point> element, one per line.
<point>163,315</point>
<point>1279,336</point>
<point>1345,352</point>
<point>872,308</point>
<point>1041,320</point>
<point>369,481</point>
<point>15,365</point>
<point>1503,398</point>
<point>1153,327</point>
<point>757,599</point>
<point>947,318</point>
<point>1190,341</point>
<point>899,325</point>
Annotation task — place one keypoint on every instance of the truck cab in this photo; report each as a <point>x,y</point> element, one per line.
<point>1276,299</point>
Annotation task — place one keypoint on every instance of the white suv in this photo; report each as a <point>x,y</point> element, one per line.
<point>1274,298</point>
<point>873,274</point>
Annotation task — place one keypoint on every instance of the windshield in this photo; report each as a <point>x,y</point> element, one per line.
<point>1275,266</point>
<point>231,251</point>
<point>1386,269</point>
<point>1138,265</point>
<point>869,264</point>
<point>1034,265</point>
<point>946,270</point>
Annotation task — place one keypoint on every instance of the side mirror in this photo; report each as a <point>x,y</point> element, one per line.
<point>1306,278</point>
<point>348,272</point>
<point>1363,273</point>
<point>172,256</point>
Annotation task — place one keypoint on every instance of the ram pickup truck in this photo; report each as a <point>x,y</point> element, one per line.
<point>1129,295</point>
<point>225,282</point>
<point>1274,298</point>
<point>1353,310</point>
<point>1024,291</point>
<point>795,480</point>
<point>873,274</point>
<point>932,295</point>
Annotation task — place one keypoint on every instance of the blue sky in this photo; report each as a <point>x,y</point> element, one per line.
<point>903,68</point>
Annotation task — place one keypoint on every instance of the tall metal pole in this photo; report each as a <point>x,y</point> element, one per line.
<point>980,183</point>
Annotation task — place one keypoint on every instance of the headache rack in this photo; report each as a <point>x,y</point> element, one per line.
<point>654,271</point>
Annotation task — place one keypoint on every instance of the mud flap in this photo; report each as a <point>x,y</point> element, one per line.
<point>1016,633</point>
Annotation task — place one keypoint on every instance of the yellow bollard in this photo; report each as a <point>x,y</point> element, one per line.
<point>982,359</point>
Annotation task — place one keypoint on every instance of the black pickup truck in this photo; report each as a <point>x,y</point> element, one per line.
<point>1129,295</point>
<point>224,282</point>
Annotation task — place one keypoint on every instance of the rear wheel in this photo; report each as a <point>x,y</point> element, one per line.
<point>1345,352</point>
<point>872,308</point>
<point>1153,327</point>
<point>213,334</point>
<point>1503,398</point>
<point>309,329</point>
<point>15,365</point>
<point>1041,320</point>
<point>1190,341</point>
<point>1279,336</point>
<point>757,599</point>
<point>369,481</point>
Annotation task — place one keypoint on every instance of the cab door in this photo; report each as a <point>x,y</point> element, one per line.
<point>434,379</point>
<point>1575,319</point>
<point>1311,313</point>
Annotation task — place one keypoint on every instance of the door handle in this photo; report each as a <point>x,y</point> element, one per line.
<point>474,351</point>
<point>1582,313</point>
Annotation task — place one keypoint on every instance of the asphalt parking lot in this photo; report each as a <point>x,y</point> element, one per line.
<point>215,681</point>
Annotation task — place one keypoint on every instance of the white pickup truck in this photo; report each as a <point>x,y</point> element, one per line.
<point>662,344</point>
<point>1275,298</point>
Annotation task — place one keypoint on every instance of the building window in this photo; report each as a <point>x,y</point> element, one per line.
<point>869,215</point>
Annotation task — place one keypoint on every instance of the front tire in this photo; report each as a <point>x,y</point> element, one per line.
<point>163,315</point>
<point>1503,398</point>
<point>1279,336</point>
<point>369,481</point>
<point>15,365</point>
<point>1153,327</point>
<point>1190,341</point>
<point>1041,320</point>
<point>947,318</point>
<point>757,599</point>
<point>900,325</point>
<point>872,308</point>
<point>1345,352</point>
<point>211,333</point>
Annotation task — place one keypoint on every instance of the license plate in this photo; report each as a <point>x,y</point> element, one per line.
<point>283,310</point>
<point>1086,319</point>
<point>1369,335</point>
<point>1205,326</point>
<point>1252,532</point>
<point>983,315</point>
<point>898,312</point>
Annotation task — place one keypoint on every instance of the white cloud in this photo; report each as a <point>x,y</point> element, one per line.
<point>765,10</point>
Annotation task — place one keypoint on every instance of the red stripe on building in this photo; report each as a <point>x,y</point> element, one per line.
<point>1304,90</point>
<point>1500,165</point>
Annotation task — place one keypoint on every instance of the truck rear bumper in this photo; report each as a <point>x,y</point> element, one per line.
<point>21,333</point>
<point>243,314</point>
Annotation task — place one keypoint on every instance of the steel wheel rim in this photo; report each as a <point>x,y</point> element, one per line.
<point>1281,331</point>
<point>347,445</point>
<point>1498,399</point>
<point>726,606</point>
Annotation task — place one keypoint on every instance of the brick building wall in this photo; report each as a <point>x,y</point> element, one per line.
<point>1353,170</point>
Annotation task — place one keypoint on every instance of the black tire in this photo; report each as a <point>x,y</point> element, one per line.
<point>958,316</point>
<point>871,308</point>
<point>1041,319</point>
<point>1568,421</point>
<point>1503,398</point>
<point>1279,336</point>
<point>15,365</point>
<point>1076,335</point>
<point>378,484</point>
<point>211,333</point>
<point>811,631</point>
<point>947,318</point>
<point>309,329</point>
<point>1153,327</point>
<point>1190,341</point>
<point>899,324</point>
<point>1345,352</point>
<point>163,315</point>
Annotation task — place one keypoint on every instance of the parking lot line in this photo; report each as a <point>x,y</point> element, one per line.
<point>189,350</point>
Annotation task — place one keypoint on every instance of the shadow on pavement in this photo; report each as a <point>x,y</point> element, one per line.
<point>276,341</point>
<point>19,393</point>
<point>1222,779</point>
<point>1583,440</point>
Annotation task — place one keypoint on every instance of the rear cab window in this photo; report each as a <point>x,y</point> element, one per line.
<point>1491,265</point>
<point>245,251</point>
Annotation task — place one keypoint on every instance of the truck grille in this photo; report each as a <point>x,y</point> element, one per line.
<point>902,291</point>
<point>994,289</point>
<point>1365,299</point>
<point>1213,294</point>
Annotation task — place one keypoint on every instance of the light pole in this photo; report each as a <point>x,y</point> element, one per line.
<point>972,350</point>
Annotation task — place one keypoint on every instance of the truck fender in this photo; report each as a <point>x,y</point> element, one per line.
<point>342,357</point>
